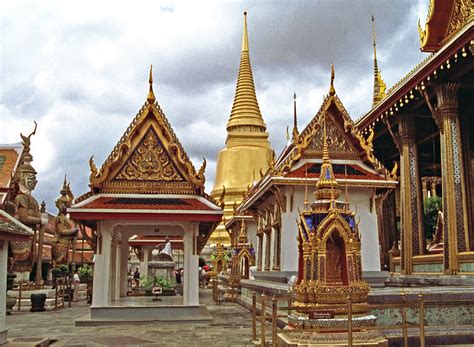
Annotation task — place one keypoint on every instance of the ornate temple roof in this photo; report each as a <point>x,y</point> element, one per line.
<point>445,18</point>
<point>353,162</point>
<point>12,229</point>
<point>344,140</point>
<point>148,159</point>
<point>146,203</point>
<point>10,155</point>
<point>456,48</point>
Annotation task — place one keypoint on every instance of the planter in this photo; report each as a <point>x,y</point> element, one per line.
<point>168,292</point>
<point>10,302</point>
<point>37,302</point>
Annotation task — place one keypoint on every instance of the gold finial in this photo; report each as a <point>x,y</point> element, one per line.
<point>245,38</point>
<point>325,143</point>
<point>306,203</point>
<point>245,111</point>
<point>327,186</point>
<point>295,132</point>
<point>332,91</point>
<point>151,96</point>
<point>379,84</point>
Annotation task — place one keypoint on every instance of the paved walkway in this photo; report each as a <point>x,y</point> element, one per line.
<point>231,326</point>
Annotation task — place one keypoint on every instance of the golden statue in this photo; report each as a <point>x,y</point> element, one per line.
<point>27,209</point>
<point>66,231</point>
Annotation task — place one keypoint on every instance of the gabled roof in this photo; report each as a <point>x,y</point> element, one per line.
<point>10,155</point>
<point>12,229</point>
<point>346,142</point>
<point>148,159</point>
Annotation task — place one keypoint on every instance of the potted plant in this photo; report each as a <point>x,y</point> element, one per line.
<point>146,283</point>
<point>86,274</point>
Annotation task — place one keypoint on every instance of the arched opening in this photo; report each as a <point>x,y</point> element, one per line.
<point>219,266</point>
<point>336,264</point>
<point>244,266</point>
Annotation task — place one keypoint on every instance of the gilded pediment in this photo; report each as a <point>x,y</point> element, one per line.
<point>148,159</point>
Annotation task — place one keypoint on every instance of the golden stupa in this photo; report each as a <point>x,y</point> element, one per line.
<point>247,150</point>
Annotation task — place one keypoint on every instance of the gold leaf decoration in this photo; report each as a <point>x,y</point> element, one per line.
<point>149,162</point>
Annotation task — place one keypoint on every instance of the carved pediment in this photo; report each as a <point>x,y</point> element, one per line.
<point>150,161</point>
<point>336,140</point>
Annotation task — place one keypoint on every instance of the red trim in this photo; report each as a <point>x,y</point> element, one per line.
<point>146,216</point>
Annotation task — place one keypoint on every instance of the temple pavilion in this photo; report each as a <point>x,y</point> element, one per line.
<point>147,186</point>
<point>424,122</point>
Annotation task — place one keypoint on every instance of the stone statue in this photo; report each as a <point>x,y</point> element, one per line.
<point>167,248</point>
<point>437,244</point>
<point>27,211</point>
<point>66,232</point>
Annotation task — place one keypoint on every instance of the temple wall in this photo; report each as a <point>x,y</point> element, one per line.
<point>359,200</point>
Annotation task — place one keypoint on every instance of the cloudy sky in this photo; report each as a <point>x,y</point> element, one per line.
<point>80,69</point>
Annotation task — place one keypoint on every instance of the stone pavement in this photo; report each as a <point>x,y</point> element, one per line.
<point>231,326</point>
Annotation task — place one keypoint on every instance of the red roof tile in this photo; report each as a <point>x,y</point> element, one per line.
<point>8,159</point>
<point>143,203</point>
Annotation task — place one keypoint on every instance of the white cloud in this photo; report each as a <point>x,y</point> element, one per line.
<point>80,69</point>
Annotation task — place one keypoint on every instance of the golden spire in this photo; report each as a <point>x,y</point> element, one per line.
<point>245,111</point>
<point>295,132</point>
<point>332,91</point>
<point>379,84</point>
<point>327,186</point>
<point>151,96</point>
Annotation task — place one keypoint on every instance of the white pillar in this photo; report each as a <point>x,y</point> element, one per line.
<point>3,291</point>
<point>144,262</point>
<point>124,266</point>
<point>100,296</point>
<point>118,266</point>
<point>113,266</point>
<point>191,268</point>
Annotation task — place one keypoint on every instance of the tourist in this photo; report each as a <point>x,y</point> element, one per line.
<point>136,277</point>
<point>76,282</point>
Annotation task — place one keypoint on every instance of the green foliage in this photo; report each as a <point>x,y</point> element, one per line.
<point>148,282</point>
<point>431,207</point>
<point>60,271</point>
<point>86,273</point>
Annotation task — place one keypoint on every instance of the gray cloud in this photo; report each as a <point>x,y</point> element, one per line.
<point>82,72</point>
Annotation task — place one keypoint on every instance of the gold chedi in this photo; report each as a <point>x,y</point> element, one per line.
<point>247,150</point>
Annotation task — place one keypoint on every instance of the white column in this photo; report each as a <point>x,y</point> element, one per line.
<point>118,266</point>
<point>191,268</point>
<point>3,291</point>
<point>124,266</point>
<point>100,296</point>
<point>113,266</point>
<point>144,262</point>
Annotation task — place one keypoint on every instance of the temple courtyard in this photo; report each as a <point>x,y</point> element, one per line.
<point>231,326</point>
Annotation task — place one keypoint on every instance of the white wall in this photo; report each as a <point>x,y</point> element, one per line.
<point>360,198</point>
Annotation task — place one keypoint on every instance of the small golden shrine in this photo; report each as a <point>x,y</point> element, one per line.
<point>329,264</point>
<point>243,256</point>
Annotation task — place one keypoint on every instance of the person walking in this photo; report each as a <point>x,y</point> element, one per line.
<point>76,281</point>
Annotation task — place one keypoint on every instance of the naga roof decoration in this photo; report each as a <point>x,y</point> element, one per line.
<point>345,141</point>
<point>445,18</point>
<point>148,158</point>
